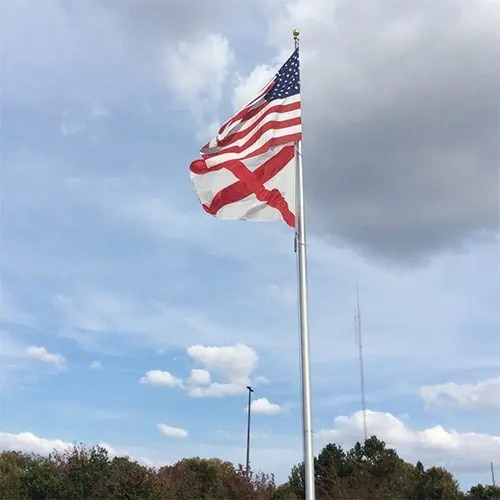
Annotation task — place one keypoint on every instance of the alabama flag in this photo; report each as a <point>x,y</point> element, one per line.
<point>247,172</point>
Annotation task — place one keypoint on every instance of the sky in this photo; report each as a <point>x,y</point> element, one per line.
<point>131,318</point>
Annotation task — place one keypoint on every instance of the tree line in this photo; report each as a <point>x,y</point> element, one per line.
<point>367,471</point>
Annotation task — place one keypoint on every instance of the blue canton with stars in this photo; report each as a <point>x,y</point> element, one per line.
<point>287,81</point>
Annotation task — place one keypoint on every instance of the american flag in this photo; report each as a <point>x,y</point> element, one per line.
<point>248,171</point>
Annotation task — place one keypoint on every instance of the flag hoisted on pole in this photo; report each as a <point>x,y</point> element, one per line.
<point>252,170</point>
<point>248,170</point>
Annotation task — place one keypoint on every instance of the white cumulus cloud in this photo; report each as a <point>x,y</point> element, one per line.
<point>172,432</point>
<point>235,363</point>
<point>41,354</point>
<point>29,443</point>
<point>160,378</point>
<point>199,377</point>
<point>247,87</point>
<point>225,371</point>
<point>216,390</point>
<point>197,69</point>
<point>484,395</point>
<point>265,407</point>
<point>459,451</point>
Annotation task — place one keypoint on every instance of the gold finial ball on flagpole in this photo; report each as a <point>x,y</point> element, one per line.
<point>296,33</point>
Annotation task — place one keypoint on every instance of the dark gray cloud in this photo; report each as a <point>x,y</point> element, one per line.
<point>401,99</point>
<point>401,126</point>
<point>401,111</point>
<point>77,48</point>
<point>148,22</point>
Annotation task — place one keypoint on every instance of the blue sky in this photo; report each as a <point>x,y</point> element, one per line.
<point>111,270</point>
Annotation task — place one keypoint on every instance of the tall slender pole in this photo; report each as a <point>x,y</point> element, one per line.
<point>300,245</point>
<point>359,341</point>
<point>492,474</point>
<point>250,390</point>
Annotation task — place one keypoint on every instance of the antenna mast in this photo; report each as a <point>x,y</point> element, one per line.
<point>359,341</point>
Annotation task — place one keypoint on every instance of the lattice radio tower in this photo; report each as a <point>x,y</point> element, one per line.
<point>359,342</point>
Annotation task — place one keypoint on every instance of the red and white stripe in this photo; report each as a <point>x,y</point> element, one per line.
<point>248,170</point>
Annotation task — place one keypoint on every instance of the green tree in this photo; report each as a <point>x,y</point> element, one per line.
<point>296,480</point>
<point>378,471</point>
<point>284,492</point>
<point>127,480</point>
<point>368,470</point>
<point>41,479</point>
<point>372,470</point>
<point>13,466</point>
<point>81,471</point>
<point>203,479</point>
<point>480,492</point>
<point>332,471</point>
<point>436,483</point>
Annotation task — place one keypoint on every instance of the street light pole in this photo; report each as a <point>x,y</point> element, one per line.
<point>250,390</point>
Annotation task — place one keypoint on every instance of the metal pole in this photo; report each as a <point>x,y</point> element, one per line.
<point>250,390</point>
<point>300,245</point>
<point>492,474</point>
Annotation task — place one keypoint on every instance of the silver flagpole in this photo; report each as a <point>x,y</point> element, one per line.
<point>300,245</point>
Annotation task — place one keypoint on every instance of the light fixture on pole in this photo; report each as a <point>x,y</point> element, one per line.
<point>250,390</point>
